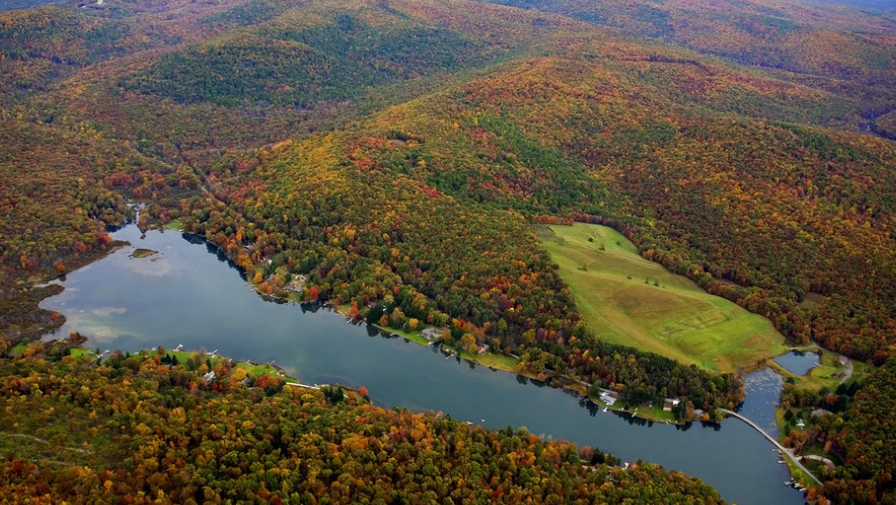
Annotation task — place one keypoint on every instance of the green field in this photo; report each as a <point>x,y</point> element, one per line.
<point>675,318</point>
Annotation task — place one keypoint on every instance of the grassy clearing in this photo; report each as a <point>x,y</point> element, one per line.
<point>37,450</point>
<point>799,476</point>
<point>653,413</point>
<point>413,336</point>
<point>19,349</point>
<point>175,225</point>
<point>629,300</point>
<point>255,369</point>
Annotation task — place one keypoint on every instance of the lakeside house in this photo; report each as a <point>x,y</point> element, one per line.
<point>209,376</point>
<point>432,334</point>
<point>607,399</point>
<point>670,403</point>
<point>843,360</point>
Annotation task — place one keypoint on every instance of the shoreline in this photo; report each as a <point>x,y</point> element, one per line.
<point>580,389</point>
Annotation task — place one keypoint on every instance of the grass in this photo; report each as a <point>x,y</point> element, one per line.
<point>255,369</point>
<point>175,225</point>
<point>487,359</point>
<point>675,318</point>
<point>38,450</point>
<point>653,413</point>
<point>799,476</point>
<point>80,351</point>
<point>19,349</point>
<point>413,336</point>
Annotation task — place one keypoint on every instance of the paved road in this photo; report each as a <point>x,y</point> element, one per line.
<point>848,372</point>
<point>771,439</point>
<point>826,461</point>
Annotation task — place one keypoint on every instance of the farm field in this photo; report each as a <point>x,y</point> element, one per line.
<point>629,300</point>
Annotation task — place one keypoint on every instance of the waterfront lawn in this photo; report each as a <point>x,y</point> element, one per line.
<point>668,314</point>
<point>799,476</point>
<point>413,336</point>
<point>175,225</point>
<point>654,413</point>
<point>80,351</point>
<point>256,369</point>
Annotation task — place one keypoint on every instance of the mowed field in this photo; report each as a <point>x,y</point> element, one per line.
<point>616,291</point>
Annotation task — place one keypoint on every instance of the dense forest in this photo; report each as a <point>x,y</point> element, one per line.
<point>396,152</point>
<point>134,429</point>
<point>855,426</point>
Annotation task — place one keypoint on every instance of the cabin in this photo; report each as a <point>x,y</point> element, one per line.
<point>843,360</point>
<point>800,424</point>
<point>670,403</point>
<point>209,376</point>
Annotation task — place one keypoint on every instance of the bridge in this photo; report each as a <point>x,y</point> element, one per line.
<point>787,452</point>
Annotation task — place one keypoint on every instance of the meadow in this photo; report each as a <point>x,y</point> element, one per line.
<point>629,300</point>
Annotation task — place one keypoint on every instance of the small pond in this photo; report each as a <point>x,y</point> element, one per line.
<point>799,362</point>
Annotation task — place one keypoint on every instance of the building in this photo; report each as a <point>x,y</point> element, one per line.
<point>670,403</point>
<point>432,334</point>
<point>607,399</point>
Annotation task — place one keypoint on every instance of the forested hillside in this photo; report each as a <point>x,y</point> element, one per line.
<point>136,430</point>
<point>863,435</point>
<point>396,152</point>
<point>846,51</point>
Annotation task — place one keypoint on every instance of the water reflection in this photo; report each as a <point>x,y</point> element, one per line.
<point>799,362</point>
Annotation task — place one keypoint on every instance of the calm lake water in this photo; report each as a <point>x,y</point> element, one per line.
<point>187,294</point>
<point>798,362</point>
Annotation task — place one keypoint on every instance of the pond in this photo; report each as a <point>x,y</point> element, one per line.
<point>188,294</point>
<point>798,362</point>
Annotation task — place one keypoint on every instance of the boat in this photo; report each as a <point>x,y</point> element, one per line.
<point>605,409</point>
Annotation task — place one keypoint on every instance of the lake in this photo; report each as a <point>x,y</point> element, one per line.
<point>188,294</point>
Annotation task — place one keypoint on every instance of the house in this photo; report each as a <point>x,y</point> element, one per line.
<point>800,423</point>
<point>843,360</point>
<point>209,376</point>
<point>607,399</point>
<point>432,334</point>
<point>670,403</point>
